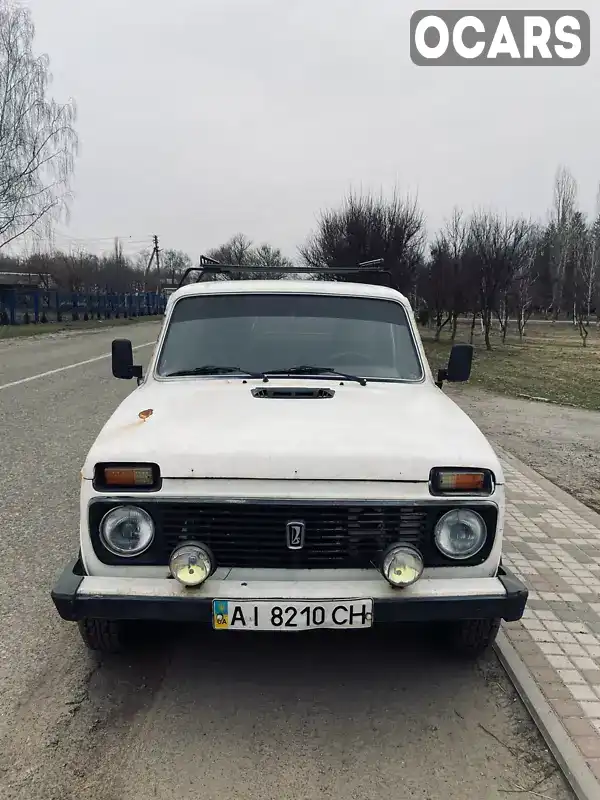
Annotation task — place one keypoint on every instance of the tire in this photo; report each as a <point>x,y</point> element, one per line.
<point>471,638</point>
<point>102,635</point>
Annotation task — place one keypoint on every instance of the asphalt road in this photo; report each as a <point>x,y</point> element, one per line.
<point>193,713</point>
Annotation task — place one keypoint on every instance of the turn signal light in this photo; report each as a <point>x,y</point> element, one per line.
<point>461,481</point>
<point>127,476</point>
<point>113,476</point>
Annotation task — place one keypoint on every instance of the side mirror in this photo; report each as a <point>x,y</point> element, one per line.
<point>459,365</point>
<point>122,361</point>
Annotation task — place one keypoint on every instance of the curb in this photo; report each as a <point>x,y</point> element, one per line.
<point>570,760</point>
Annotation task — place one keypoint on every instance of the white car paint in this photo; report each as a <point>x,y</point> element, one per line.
<point>319,587</point>
<point>213,439</point>
<point>381,431</point>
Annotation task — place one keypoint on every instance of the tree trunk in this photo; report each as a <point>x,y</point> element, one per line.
<point>505,326</point>
<point>454,326</point>
<point>473,327</point>
<point>487,326</point>
<point>521,323</point>
<point>502,315</point>
<point>440,326</point>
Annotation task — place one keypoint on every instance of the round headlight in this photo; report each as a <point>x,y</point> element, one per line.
<point>402,565</point>
<point>191,564</point>
<point>127,531</point>
<point>460,534</point>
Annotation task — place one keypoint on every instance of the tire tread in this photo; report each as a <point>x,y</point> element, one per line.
<point>102,635</point>
<point>473,637</point>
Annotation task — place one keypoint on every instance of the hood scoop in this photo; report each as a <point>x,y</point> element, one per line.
<point>293,393</point>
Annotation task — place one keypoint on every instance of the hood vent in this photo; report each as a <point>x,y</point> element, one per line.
<point>293,393</point>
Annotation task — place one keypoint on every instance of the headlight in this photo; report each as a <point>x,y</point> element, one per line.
<point>460,534</point>
<point>191,564</point>
<point>402,565</point>
<point>127,531</point>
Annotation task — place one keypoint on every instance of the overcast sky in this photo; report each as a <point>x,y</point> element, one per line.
<point>202,118</point>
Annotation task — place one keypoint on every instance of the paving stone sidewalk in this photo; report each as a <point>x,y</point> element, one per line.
<point>553,544</point>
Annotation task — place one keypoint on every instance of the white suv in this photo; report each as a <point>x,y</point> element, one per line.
<point>289,463</point>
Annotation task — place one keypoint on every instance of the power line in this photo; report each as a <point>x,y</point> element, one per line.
<point>129,238</point>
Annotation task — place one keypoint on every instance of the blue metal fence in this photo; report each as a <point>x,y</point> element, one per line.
<point>22,307</point>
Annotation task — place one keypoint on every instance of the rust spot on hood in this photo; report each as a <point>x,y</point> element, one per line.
<point>144,415</point>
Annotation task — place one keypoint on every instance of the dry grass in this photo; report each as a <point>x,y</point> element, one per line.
<point>550,363</point>
<point>19,331</point>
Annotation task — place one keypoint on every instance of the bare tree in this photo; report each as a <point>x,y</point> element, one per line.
<point>594,274</point>
<point>365,228</point>
<point>456,236</point>
<point>525,277</point>
<point>240,250</point>
<point>582,256</point>
<point>38,142</point>
<point>565,202</point>
<point>236,250</point>
<point>438,288</point>
<point>175,263</point>
<point>498,247</point>
<point>267,256</point>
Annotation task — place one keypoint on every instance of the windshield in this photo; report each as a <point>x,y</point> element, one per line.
<point>262,332</point>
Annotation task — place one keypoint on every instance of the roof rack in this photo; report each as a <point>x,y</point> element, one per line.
<point>209,266</point>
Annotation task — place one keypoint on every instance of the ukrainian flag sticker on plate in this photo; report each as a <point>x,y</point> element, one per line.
<point>221,614</point>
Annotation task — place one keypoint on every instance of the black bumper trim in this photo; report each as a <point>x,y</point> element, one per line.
<point>72,607</point>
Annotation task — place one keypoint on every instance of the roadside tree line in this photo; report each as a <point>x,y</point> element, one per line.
<point>491,269</point>
<point>501,269</point>
<point>481,266</point>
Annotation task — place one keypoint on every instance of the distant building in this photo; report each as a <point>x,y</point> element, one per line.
<point>22,281</point>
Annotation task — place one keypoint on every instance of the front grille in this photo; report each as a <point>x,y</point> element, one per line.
<point>254,534</point>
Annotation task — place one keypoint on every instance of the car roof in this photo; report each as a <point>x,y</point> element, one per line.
<point>339,288</point>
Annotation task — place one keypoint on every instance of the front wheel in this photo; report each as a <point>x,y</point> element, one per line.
<point>103,635</point>
<point>473,637</point>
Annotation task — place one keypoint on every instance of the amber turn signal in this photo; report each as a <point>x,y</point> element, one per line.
<point>142,476</point>
<point>461,481</point>
<point>127,476</point>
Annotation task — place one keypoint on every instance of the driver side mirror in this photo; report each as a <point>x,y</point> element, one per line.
<point>122,361</point>
<point>459,365</point>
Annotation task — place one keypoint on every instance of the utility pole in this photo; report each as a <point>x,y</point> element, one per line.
<point>154,254</point>
<point>157,252</point>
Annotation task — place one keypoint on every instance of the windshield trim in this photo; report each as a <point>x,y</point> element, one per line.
<point>163,335</point>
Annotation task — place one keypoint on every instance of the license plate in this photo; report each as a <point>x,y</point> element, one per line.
<point>281,615</point>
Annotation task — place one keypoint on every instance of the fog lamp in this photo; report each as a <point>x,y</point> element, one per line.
<point>191,564</point>
<point>402,565</point>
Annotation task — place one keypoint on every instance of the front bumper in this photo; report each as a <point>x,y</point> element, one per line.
<point>77,596</point>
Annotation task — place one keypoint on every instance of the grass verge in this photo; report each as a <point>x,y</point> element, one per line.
<point>20,331</point>
<point>550,363</point>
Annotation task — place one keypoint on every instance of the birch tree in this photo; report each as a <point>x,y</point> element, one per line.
<point>563,211</point>
<point>38,142</point>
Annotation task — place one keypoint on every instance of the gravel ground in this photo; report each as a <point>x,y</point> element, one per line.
<point>190,714</point>
<point>561,443</point>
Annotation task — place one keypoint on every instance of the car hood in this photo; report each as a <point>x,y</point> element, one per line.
<point>216,428</point>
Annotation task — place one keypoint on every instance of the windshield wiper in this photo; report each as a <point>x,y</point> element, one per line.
<point>213,369</point>
<point>307,369</point>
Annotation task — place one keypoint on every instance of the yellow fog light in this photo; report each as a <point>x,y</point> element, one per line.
<point>191,564</point>
<point>402,565</point>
